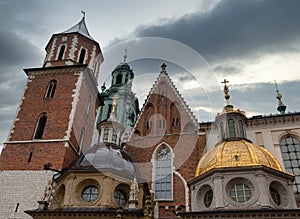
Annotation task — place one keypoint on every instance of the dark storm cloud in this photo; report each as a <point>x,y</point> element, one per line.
<point>235,28</point>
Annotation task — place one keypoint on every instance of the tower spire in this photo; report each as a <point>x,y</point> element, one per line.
<point>125,56</point>
<point>281,107</point>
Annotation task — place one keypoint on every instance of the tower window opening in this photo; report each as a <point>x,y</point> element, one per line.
<point>30,157</point>
<point>119,79</point>
<point>50,89</point>
<point>109,110</point>
<point>105,134</point>
<point>88,105</point>
<point>82,56</point>
<point>173,122</point>
<point>61,52</point>
<point>39,130</point>
<point>177,122</point>
<point>231,127</point>
<point>126,78</point>
<point>114,136</point>
<point>222,131</point>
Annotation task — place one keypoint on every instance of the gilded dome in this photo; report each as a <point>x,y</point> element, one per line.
<point>239,153</point>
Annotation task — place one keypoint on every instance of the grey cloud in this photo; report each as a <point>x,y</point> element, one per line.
<point>235,28</point>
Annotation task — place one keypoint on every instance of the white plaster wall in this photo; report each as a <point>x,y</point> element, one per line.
<point>23,187</point>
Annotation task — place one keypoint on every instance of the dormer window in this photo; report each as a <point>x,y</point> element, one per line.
<point>61,52</point>
<point>82,56</point>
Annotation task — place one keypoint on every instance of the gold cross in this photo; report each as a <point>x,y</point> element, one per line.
<point>224,82</point>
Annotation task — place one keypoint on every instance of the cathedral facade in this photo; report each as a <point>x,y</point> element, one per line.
<point>157,162</point>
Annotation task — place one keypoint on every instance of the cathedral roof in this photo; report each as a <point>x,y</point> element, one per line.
<point>240,153</point>
<point>81,28</point>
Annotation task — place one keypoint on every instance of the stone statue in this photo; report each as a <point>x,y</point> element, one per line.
<point>48,191</point>
<point>134,190</point>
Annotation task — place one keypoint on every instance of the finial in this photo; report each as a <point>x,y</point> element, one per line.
<point>83,14</point>
<point>125,55</point>
<point>103,87</point>
<point>281,107</point>
<point>226,91</point>
<point>163,67</point>
<point>114,103</point>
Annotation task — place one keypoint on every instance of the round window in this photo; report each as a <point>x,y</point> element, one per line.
<point>120,198</point>
<point>90,193</point>
<point>208,197</point>
<point>240,193</point>
<point>275,196</point>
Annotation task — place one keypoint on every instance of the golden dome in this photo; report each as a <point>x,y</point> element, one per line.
<point>240,153</point>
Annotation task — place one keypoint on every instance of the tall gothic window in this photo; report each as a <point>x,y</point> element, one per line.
<point>82,56</point>
<point>163,174</point>
<point>40,126</point>
<point>61,52</point>
<point>290,149</point>
<point>50,89</point>
<point>231,127</point>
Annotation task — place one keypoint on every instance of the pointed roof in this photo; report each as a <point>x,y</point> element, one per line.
<point>163,76</point>
<point>81,28</point>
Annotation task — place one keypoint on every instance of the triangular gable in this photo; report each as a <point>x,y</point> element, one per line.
<point>165,78</point>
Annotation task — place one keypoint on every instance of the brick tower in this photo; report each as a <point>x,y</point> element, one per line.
<point>55,118</point>
<point>166,143</point>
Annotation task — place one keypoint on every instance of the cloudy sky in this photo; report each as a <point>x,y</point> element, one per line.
<point>249,42</point>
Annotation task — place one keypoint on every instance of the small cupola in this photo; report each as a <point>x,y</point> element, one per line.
<point>281,107</point>
<point>74,46</point>
<point>122,74</point>
<point>110,130</point>
<point>230,122</point>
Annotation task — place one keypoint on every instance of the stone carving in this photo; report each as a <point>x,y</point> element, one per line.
<point>134,190</point>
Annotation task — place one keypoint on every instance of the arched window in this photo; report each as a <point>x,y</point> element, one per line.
<point>241,129</point>
<point>40,126</point>
<point>126,78</point>
<point>105,134</point>
<point>81,139</point>
<point>290,149</point>
<point>82,56</point>
<point>114,136</point>
<point>119,79</point>
<point>50,89</point>
<point>61,52</point>
<point>163,174</point>
<point>231,127</point>
<point>222,132</point>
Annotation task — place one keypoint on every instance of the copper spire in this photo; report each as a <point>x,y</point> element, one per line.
<point>281,107</point>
